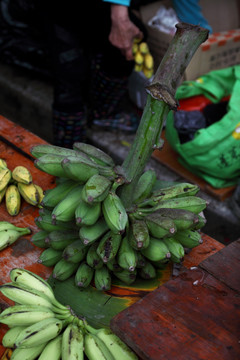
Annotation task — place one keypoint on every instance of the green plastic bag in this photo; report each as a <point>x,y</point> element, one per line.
<point>214,152</point>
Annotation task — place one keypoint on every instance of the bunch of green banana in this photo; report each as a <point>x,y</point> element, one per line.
<point>86,232</point>
<point>18,184</point>
<point>143,58</point>
<point>40,327</point>
<point>10,233</point>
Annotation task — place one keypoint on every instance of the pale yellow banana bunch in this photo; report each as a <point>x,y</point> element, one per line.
<point>40,327</point>
<point>143,59</point>
<point>16,185</point>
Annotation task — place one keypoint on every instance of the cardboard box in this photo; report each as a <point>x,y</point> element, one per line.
<point>222,49</point>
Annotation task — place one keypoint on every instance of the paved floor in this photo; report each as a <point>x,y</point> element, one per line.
<point>26,100</point>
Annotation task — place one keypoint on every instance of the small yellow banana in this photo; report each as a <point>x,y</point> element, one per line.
<point>12,200</point>
<point>29,192</point>
<point>3,164</point>
<point>147,72</point>
<point>138,68</point>
<point>22,174</point>
<point>143,48</point>
<point>148,61</point>
<point>134,48</point>
<point>5,177</point>
<point>138,57</point>
<point>40,193</point>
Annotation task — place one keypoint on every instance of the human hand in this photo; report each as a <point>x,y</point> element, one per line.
<point>123,30</point>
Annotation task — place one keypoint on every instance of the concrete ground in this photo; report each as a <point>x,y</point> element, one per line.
<point>26,100</point>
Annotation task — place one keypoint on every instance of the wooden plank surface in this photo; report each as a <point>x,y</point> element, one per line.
<point>168,157</point>
<point>193,317</point>
<point>225,265</point>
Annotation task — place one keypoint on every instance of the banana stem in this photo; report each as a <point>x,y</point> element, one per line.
<point>160,100</point>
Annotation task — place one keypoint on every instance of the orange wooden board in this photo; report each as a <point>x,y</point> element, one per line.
<point>168,157</point>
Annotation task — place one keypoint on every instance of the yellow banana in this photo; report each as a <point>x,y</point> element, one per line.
<point>12,200</point>
<point>143,48</point>
<point>40,193</point>
<point>5,177</point>
<point>29,192</point>
<point>22,174</point>
<point>148,61</point>
<point>138,57</point>
<point>2,193</point>
<point>3,164</point>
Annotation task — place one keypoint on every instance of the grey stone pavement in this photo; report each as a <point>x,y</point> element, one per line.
<point>26,99</point>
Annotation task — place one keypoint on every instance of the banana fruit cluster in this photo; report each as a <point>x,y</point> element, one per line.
<point>143,58</point>
<point>42,328</point>
<point>18,184</point>
<point>86,232</point>
<point>10,233</point>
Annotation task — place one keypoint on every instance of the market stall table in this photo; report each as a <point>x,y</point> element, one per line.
<point>15,145</point>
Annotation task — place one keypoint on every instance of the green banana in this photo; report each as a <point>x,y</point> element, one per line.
<point>65,209</point>
<point>156,250</point>
<point>53,349</point>
<point>190,203</point>
<point>51,164</point>
<point>45,222</point>
<point>144,186</point>
<point>89,234</point>
<point>108,246</point>
<point>138,234</point>
<point>22,174</point>
<point>160,226</point>
<point>53,196</point>
<point>126,256</point>
<point>86,214</point>
<point>113,265</point>
<point>64,269</point>
<point>92,258</point>
<point>6,225</point>
<point>49,257</point>
<point>126,276</point>
<point>5,177</point>
<point>171,192</point>
<point>39,333</point>
<point>201,222</point>
<point>45,149</point>
<point>25,315</point>
<point>72,343</point>
<point>141,260</point>
<point>147,271</point>
<point>75,252</point>
<point>8,237</point>
<point>176,249</point>
<point>31,353</point>
<point>95,349</point>
<point>79,169</point>
<point>114,212</point>
<point>38,239</point>
<point>84,275</point>
<point>97,155</point>
<point>183,219</point>
<point>115,345</point>
<point>102,278</point>
<point>10,336</point>
<point>59,239</point>
<point>96,189</point>
<point>29,192</point>
<point>25,295</point>
<point>188,238</point>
